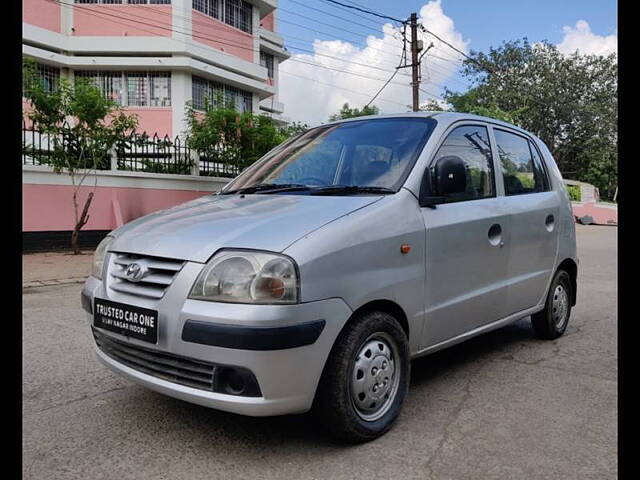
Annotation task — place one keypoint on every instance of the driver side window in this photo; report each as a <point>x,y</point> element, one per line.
<point>470,144</point>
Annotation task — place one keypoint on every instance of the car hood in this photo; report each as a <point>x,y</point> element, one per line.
<point>197,229</point>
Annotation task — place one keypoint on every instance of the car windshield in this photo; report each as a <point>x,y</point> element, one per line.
<point>359,156</point>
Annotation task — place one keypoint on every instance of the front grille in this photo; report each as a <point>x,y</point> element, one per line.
<point>174,368</point>
<point>160,273</point>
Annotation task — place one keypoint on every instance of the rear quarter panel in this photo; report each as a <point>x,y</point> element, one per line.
<point>567,225</point>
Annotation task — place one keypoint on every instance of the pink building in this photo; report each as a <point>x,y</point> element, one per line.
<point>153,56</point>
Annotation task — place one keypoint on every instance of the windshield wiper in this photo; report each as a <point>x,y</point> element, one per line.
<point>350,190</point>
<point>267,188</point>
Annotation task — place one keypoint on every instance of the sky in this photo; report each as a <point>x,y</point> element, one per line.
<point>357,53</point>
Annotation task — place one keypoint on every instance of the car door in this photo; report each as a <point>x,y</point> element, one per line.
<point>466,262</point>
<point>534,207</point>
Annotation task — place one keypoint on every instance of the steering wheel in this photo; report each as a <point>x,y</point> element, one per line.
<point>313,181</point>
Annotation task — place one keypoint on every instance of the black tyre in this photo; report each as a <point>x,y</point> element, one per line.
<point>552,321</point>
<point>365,380</point>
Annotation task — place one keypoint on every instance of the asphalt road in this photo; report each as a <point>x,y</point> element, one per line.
<point>501,406</point>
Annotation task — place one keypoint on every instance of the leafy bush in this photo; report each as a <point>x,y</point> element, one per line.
<point>574,192</point>
<point>230,138</point>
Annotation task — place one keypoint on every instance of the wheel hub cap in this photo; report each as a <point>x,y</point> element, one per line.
<point>374,379</point>
<point>560,306</point>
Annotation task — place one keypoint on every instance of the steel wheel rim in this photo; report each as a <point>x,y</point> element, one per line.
<point>560,306</point>
<point>375,376</point>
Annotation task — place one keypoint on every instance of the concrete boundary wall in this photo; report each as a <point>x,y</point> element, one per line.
<point>47,197</point>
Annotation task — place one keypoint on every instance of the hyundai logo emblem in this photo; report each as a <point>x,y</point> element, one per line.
<point>134,272</point>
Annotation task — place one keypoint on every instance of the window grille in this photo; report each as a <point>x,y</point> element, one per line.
<point>137,89</point>
<point>237,13</point>
<point>266,60</point>
<point>160,89</point>
<point>110,83</point>
<point>49,76</point>
<point>130,2</point>
<point>209,7</point>
<point>133,89</point>
<point>203,90</point>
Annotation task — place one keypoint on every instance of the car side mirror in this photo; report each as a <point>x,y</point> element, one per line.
<point>448,176</point>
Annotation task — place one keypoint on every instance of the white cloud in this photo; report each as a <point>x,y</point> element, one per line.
<point>313,101</point>
<point>582,39</point>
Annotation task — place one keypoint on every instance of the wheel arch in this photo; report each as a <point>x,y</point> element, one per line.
<point>386,306</point>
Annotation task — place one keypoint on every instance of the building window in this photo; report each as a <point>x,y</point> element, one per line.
<point>237,13</point>
<point>266,60</point>
<point>110,84</point>
<point>207,90</point>
<point>209,7</point>
<point>160,89</point>
<point>130,2</point>
<point>133,89</point>
<point>49,76</point>
<point>137,89</point>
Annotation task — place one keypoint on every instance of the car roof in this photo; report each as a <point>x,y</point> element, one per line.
<point>442,117</point>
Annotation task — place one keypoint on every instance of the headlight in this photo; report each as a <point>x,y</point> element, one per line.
<point>247,277</point>
<point>99,255</point>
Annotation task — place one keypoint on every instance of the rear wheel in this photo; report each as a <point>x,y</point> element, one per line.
<point>365,380</point>
<point>552,322</point>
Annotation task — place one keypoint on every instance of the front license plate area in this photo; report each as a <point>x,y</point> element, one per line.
<point>135,322</point>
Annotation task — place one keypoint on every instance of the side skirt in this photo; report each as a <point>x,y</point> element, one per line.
<point>478,331</point>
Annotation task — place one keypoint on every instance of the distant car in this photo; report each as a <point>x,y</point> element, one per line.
<point>315,276</point>
<point>588,209</point>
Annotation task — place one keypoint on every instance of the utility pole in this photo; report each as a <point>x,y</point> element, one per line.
<point>415,82</point>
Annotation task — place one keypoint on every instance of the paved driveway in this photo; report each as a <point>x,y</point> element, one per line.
<point>503,405</point>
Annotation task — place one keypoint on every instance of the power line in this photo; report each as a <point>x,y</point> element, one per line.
<point>348,72</point>
<point>340,88</point>
<point>367,11</point>
<point>481,66</point>
<point>377,30</point>
<point>334,37</point>
<point>404,54</point>
<point>303,40</point>
<point>315,21</point>
<point>447,43</point>
<point>350,12</point>
<point>381,88</point>
<point>214,38</point>
<point>105,14</point>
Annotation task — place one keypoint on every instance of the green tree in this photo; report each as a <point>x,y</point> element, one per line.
<point>348,112</point>
<point>232,139</point>
<point>569,101</point>
<point>82,127</point>
<point>294,128</point>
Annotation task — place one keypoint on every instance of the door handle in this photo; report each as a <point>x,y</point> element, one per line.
<point>495,235</point>
<point>549,222</point>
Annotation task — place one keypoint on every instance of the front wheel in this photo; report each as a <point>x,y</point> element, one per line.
<point>366,378</point>
<point>552,322</point>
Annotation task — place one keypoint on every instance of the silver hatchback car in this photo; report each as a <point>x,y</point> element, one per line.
<point>314,277</point>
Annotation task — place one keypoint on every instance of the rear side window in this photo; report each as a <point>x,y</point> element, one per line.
<point>522,168</point>
<point>471,144</point>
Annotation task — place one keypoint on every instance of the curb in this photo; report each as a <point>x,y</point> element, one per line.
<point>53,282</point>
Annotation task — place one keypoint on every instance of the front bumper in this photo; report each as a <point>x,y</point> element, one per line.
<point>252,336</point>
